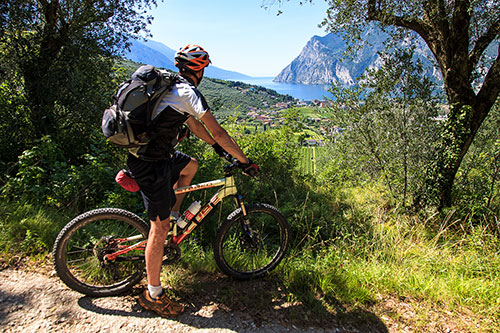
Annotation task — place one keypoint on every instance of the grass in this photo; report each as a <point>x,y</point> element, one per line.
<point>403,270</point>
<point>28,229</point>
<point>431,261</point>
<point>356,262</point>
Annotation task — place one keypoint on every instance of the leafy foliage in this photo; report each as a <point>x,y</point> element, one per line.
<point>15,127</point>
<point>45,177</point>
<point>459,34</point>
<point>60,54</point>
<point>476,189</point>
<point>390,132</point>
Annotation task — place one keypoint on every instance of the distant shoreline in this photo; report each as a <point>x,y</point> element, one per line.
<point>306,92</point>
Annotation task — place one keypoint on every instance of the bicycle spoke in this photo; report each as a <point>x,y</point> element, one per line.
<point>251,250</point>
<point>82,247</point>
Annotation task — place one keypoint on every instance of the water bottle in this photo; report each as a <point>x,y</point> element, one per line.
<point>192,210</point>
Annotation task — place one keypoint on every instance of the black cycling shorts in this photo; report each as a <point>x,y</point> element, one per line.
<point>156,180</point>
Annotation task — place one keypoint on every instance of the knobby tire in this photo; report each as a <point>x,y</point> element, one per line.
<point>250,254</point>
<point>79,247</point>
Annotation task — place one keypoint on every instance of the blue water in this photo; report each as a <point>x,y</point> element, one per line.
<point>306,92</point>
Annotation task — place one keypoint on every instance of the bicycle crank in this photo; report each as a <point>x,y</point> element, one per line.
<point>171,254</point>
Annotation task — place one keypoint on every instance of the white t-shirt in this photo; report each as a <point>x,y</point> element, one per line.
<point>183,98</point>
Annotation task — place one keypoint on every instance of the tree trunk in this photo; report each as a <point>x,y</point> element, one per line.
<point>448,37</point>
<point>36,69</point>
<point>464,119</point>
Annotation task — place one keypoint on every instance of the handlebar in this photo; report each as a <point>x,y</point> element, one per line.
<point>234,163</point>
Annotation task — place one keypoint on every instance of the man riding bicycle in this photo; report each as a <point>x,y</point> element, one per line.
<point>158,168</point>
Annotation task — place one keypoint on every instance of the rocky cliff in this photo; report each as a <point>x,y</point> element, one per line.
<point>320,62</point>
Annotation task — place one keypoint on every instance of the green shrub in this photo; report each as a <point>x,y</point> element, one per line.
<point>45,177</point>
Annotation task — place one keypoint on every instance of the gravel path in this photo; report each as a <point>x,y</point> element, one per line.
<point>33,302</point>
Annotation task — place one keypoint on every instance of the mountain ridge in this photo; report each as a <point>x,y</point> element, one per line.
<point>160,55</point>
<point>323,60</point>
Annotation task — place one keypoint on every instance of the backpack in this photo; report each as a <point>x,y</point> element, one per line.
<point>126,123</point>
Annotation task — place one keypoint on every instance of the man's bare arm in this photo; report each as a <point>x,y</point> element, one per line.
<point>220,136</point>
<point>199,130</point>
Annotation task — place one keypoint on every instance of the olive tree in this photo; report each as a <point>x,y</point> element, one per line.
<point>458,33</point>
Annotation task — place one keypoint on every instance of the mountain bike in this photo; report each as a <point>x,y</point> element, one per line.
<point>101,252</point>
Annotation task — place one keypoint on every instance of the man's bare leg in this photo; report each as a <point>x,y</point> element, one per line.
<point>153,298</point>
<point>159,229</point>
<point>154,249</point>
<point>186,176</point>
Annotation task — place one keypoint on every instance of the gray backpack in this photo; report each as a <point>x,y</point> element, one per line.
<point>127,122</point>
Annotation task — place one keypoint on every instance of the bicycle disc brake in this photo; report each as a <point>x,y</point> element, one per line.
<point>249,239</point>
<point>171,254</point>
<point>102,247</point>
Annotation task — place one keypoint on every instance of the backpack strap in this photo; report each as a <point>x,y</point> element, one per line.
<point>161,93</point>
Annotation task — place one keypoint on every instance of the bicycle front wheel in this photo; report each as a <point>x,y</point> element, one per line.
<point>250,249</point>
<point>81,246</point>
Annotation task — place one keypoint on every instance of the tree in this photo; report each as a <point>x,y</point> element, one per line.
<point>458,33</point>
<point>63,52</point>
<point>389,132</point>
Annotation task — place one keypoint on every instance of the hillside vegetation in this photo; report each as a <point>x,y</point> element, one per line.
<point>230,97</point>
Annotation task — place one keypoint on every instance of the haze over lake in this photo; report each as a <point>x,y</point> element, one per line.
<point>305,92</point>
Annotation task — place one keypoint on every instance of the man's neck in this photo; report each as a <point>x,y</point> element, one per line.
<point>190,78</point>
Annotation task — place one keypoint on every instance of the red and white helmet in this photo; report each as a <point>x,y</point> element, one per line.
<point>193,57</point>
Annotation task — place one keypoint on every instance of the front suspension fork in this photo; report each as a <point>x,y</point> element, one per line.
<point>239,203</point>
<point>245,221</point>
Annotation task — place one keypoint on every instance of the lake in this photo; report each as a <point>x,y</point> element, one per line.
<point>305,92</point>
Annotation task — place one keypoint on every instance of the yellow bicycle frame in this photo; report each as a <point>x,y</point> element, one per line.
<point>228,189</point>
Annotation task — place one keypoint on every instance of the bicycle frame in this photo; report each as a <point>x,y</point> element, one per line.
<point>228,188</point>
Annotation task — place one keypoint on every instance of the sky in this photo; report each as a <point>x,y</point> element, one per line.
<point>240,35</point>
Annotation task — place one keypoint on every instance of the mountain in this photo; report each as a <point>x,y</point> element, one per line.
<point>321,60</point>
<point>159,55</point>
<point>152,53</point>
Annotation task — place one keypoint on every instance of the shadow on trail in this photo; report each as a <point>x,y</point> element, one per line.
<point>10,302</point>
<point>127,305</point>
<point>265,301</point>
<point>247,305</point>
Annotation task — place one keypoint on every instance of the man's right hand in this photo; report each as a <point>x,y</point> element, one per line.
<point>250,169</point>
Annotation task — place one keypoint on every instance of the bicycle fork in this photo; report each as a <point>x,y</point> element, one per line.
<point>247,234</point>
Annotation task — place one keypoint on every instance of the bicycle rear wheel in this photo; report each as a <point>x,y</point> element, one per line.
<point>246,251</point>
<point>81,245</point>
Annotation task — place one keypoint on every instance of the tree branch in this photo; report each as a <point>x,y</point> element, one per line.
<point>460,23</point>
<point>490,90</point>
<point>375,13</point>
<point>482,44</point>
<point>442,9</point>
<point>435,11</point>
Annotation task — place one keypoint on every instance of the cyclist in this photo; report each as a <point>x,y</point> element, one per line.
<point>158,168</point>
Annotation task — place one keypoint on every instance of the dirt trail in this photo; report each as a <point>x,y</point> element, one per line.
<point>34,302</point>
<point>33,299</point>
